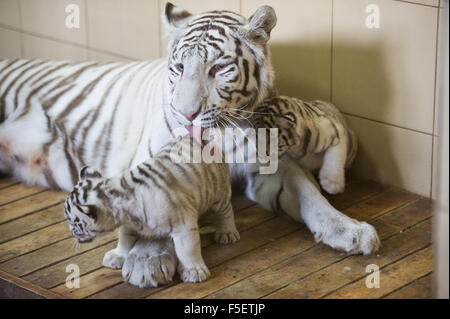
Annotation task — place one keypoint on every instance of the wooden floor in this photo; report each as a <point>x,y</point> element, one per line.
<point>276,258</point>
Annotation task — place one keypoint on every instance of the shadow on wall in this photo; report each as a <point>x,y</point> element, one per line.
<point>358,80</point>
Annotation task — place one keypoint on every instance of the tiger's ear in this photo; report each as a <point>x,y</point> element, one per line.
<point>89,172</point>
<point>259,25</point>
<point>175,18</point>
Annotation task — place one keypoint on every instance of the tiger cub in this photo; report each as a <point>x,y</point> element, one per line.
<point>315,130</point>
<point>158,198</point>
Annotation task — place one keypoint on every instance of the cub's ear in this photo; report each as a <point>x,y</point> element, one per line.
<point>89,172</point>
<point>287,121</point>
<point>175,18</point>
<point>259,25</point>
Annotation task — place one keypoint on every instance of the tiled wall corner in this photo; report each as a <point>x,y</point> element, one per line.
<point>128,28</point>
<point>386,74</point>
<point>392,155</point>
<point>301,46</point>
<point>48,18</point>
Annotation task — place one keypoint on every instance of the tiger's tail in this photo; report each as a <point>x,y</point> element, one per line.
<point>352,148</point>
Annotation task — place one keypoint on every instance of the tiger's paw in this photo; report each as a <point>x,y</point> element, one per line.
<point>194,274</point>
<point>354,238</point>
<point>332,183</point>
<point>227,237</point>
<point>146,271</point>
<point>113,259</point>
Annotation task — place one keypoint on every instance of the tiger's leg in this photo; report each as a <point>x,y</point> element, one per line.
<point>226,232</point>
<point>332,172</point>
<point>150,263</point>
<point>191,266</point>
<point>115,258</point>
<point>292,192</point>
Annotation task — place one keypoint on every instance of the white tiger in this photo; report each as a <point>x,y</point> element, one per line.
<point>157,198</point>
<point>113,116</point>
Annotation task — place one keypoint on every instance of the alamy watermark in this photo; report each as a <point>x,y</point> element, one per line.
<point>373,279</point>
<point>232,145</point>
<point>73,279</point>
<point>373,16</point>
<point>73,16</point>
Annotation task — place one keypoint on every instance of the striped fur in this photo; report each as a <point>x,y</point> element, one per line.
<point>308,129</point>
<point>89,112</point>
<point>158,198</point>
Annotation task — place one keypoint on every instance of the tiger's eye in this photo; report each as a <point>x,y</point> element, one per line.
<point>216,68</point>
<point>180,67</point>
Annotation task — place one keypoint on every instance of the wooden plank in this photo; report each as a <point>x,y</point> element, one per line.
<point>392,277</point>
<point>238,268</point>
<point>9,284</point>
<point>32,222</point>
<point>91,283</point>
<point>363,190</point>
<point>6,182</point>
<point>55,275</point>
<point>49,255</point>
<point>245,219</point>
<point>18,191</point>
<point>213,255</point>
<point>418,289</point>
<point>380,204</point>
<point>355,191</point>
<point>332,277</point>
<point>30,204</point>
<point>91,261</point>
<point>240,202</point>
<point>280,275</point>
<point>34,241</point>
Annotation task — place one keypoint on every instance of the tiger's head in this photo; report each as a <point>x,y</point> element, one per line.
<point>87,216</point>
<point>218,65</point>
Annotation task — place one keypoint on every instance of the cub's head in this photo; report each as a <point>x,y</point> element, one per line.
<point>83,209</point>
<point>219,65</point>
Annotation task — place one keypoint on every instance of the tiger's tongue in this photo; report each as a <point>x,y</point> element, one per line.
<point>196,132</point>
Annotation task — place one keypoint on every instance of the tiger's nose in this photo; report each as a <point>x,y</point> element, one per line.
<point>191,116</point>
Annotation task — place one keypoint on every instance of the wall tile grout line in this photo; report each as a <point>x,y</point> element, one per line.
<point>42,36</point>
<point>86,14</point>
<point>434,101</point>
<point>332,51</point>
<point>386,123</point>
<point>22,47</point>
<point>419,4</point>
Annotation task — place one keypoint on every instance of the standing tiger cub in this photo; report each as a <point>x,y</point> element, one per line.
<point>311,129</point>
<point>158,198</point>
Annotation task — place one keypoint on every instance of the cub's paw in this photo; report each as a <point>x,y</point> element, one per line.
<point>113,259</point>
<point>332,183</point>
<point>147,271</point>
<point>226,237</point>
<point>194,274</point>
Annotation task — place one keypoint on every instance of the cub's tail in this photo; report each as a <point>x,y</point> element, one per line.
<point>352,148</point>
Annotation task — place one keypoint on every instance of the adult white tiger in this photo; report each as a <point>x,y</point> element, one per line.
<point>112,116</point>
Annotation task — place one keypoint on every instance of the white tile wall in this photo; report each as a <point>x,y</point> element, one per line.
<point>383,79</point>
